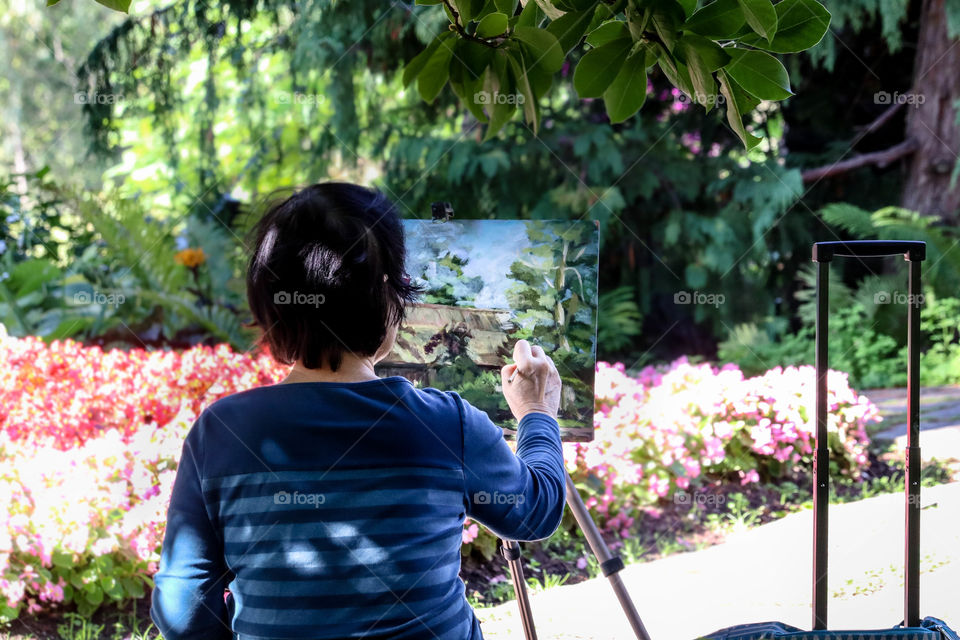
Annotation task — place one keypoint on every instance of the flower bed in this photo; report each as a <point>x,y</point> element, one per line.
<point>683,426</point>
<point>89,444</point>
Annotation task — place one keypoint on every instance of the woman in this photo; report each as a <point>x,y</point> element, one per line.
<point>331,505</point>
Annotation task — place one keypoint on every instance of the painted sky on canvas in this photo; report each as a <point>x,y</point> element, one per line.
<point>489,246</point>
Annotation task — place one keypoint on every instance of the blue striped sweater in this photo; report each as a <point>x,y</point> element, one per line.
<point>336,510</point>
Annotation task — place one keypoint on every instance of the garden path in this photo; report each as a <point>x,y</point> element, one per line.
<point>939,419</point>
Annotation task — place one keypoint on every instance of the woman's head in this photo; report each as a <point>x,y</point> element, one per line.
<point>327,274</point>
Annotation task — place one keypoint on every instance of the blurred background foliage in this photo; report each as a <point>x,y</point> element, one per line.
<point>138,149</point>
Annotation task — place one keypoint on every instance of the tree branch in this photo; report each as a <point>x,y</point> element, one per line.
<point>878,158</point>
<point>881,119</point>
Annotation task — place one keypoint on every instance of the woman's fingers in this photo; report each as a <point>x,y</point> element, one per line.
<point>522,356</point>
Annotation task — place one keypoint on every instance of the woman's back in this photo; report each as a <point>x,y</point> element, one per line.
<point>338,510</point>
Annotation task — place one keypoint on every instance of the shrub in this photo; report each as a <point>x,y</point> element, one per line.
<point>686,425</point>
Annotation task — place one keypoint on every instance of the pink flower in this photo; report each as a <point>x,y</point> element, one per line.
<point>470,533</point>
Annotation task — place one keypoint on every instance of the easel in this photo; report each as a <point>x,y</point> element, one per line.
<point>610,566</point>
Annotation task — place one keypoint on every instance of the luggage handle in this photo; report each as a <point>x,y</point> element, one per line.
<point>914,252</point>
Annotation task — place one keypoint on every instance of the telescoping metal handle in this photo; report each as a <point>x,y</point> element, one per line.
<point>914,252</point>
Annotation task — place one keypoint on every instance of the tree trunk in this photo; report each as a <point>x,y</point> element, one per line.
<point>932,123</point>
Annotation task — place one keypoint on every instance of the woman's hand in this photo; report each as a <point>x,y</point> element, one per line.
<point>535,384</point>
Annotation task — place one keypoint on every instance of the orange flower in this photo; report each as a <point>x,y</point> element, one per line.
<point>190,258</point>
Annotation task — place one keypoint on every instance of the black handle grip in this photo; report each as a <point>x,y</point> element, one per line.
<point>911,250</point>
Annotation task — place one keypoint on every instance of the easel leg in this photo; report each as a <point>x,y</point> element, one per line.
<point>610,565</point>
<point>510,550</point>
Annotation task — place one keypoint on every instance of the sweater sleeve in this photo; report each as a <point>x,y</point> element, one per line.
<point>517,496</point>
<point>188,596</point>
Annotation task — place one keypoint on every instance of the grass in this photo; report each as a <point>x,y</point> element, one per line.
<point>106,625</point>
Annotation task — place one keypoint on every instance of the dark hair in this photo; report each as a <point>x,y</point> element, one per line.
<point>327,274</point>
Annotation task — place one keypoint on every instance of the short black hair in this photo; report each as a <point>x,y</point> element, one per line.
<point>327,274</point>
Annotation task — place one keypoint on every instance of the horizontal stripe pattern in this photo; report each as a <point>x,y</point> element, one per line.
<point>342,550</point>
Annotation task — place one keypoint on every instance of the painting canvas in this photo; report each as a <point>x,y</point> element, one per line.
<point>489,283</point>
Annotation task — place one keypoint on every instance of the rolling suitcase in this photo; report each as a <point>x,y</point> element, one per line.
<point>912,626</point>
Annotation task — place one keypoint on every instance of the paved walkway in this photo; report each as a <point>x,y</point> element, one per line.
<point>939,419</point>
<point>764,573</point>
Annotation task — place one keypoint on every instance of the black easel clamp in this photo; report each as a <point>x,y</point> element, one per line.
<point>611,566</point>
<point>510,553</point>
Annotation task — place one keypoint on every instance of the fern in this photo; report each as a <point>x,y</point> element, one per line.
<point>840,293</point>
<point>852,219</point>
<point>619,319</point>
<point>219,322</point>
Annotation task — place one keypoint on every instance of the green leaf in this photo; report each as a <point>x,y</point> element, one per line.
<point>415,66</point>
<point>30,275</point>
<point>688,6</point>
<point>543,45</point>
<point>50,3</point>
<point>701,78</point>
<point>436,71</point>
<point>93,594</point>
<point>529,102</point>
<point>713,55</point>
<point>508,7</point>
<point>133,587</point>
<point>717,20</point>
<point>599,66</point>
<point>628,91</point>
<point>761,16</point>
<point>498,81</point>
<point>530,16</point>
<point>474,58</point>
<point>492,25</point>
<point>468,9</point>
<point>116,5</point>
<point>676,73</point>
<point>61,559</point>
<point>800,25</point>
<point>744,101</point>
<point>612,30</point>
<point>569,28</point>
<point>667,16</point>
<point>734,117</point>
<point>540,80</point>
<point>759,73</point>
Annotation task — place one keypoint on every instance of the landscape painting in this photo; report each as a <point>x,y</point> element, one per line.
<point>489,283</point>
